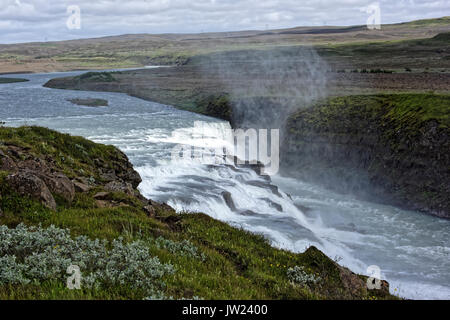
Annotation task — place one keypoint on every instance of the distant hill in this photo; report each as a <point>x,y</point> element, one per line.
<point>137,50</point>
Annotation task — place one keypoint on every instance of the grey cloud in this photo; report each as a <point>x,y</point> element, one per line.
<point>39,20</point>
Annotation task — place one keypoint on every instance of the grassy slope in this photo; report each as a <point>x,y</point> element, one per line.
<point>74,156</point>
<point>411,111</point>
<point>237,265</point>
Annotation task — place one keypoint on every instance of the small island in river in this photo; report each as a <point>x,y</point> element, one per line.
<point>90,102</point>
<point>12,80</point>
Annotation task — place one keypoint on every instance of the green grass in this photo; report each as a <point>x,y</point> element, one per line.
<point>96,76</point>
<point>418,109</point>
<point>137,51</point>
<point>429,22</point>
<point>238,265</point>
<point>75,156</point>
<point>411,111</point>
<point>396,117</point>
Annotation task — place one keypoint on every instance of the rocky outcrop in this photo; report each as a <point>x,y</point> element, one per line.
<point>389,148</point>
<point>39,176</point>
<point>36,178</point>
<point>121,186</point>
<point>229,200</point>
<point>118,171</point>
<point>59,184</point>
<point>27,183</point>
<point>80,186</point>
<point>57,170</point>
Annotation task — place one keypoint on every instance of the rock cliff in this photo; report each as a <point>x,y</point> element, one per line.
<point>390,147</point>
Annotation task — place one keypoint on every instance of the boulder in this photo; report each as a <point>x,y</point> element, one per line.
<point>355,284</point>
<point>229,200</point>
<point>16,152</point>
<point>7,164</point>
<point>103,204</point>
<point>133,177</point>
<point>150,210</point>
<point>120,186</point>
<point>36,164</point>
<point>272,204</point>
<point>109,175</point>
<point>26,183</point>
<point>125,171</point>
<point>101,195</point>
<point>80,187</point>
<point>59,184</point>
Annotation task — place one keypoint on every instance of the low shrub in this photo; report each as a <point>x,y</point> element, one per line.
<point>298,275</point>
<point>184,248</point>
<point>35,255</point>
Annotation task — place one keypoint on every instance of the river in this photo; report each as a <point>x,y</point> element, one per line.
<point>411,249</point>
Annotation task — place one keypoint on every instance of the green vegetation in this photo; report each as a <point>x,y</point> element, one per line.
<point>218,106</point>
<point>12,80</point>
<point>74,156</point>
<point>409,112</point>
<point>207,258</point>
<point>36,255</point>
<point>96,77</point>
<point>429,22</point>
<point>415,111</point>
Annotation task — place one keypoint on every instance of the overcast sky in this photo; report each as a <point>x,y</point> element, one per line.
<point>46,20</point>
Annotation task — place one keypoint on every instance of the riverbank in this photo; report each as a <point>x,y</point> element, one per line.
<point>48,178</point>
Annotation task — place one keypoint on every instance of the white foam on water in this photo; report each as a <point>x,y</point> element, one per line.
<point>353,246</point>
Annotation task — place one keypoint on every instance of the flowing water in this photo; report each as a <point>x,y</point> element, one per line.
<point>411,249</point>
